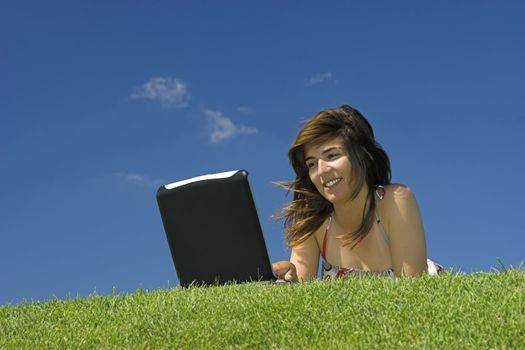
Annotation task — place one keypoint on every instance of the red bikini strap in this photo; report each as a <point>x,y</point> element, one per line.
<point>324,244</point>
<point>323,252</point>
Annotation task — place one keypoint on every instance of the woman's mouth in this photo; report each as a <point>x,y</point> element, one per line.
<point>332,183</point>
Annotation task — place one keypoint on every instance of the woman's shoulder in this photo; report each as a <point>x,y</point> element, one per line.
<point>395,191</point>
<point>394,196</point>
<point>319,233</point>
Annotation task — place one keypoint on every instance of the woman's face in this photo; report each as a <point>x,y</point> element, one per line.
<point>329,169</point>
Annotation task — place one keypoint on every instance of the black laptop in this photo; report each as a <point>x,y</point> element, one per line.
<point>213,230</point>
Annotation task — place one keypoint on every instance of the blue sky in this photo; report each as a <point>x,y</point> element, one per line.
<point>103,102</point>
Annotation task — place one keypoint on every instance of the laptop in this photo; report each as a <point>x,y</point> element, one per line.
<point>213,230</point>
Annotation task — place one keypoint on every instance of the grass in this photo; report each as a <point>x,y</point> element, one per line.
<point>452,311</point>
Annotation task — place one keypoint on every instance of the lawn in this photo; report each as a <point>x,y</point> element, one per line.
<point>451,311</point>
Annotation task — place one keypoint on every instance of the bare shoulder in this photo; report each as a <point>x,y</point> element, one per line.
<point>398,198</point>
<point>396,192</point>
<point>319,232</point>
<point>404,225</point>
<point>312,241</point>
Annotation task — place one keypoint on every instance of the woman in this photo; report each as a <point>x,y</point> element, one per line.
<point>344,207</point>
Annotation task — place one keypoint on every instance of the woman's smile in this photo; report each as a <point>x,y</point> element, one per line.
<point>329,169</point>
<point>332,183</point>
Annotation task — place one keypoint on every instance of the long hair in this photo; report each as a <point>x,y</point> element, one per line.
<point>370,164</point>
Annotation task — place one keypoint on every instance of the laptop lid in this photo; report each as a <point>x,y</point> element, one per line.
<point>213,229</point>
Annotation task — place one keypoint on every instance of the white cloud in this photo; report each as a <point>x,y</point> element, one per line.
<point>170,92</point>
<point>224,128</point>
<point>319,78</point>
<point>140,180</point>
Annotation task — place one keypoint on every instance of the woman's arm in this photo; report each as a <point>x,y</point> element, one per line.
<point>302,265</point>
<point>405,228</point>
<point>305,257</point>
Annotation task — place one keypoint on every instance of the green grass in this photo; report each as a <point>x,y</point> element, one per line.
<point>475,311</point>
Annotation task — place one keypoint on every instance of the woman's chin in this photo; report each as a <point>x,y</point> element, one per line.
<point>332,197</point>
<point>336,197</point>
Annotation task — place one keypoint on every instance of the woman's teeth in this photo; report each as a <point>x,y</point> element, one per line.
<point>332,182</point>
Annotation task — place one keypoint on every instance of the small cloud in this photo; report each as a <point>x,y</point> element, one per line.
<point>246,110</point>
<point>170,92</point>
<point>224,128</point>
<point>319,78</point>
<point>140,180</point>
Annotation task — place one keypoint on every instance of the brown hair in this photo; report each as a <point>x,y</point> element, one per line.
<point>370,165</point>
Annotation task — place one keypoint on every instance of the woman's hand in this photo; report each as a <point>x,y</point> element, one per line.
<point>285,270</point>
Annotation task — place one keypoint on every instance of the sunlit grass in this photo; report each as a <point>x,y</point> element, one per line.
<point>477,311</point>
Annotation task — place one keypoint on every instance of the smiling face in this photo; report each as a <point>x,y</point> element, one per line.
<point>329,169</point>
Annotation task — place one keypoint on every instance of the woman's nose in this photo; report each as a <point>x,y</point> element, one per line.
<point>323,166</point>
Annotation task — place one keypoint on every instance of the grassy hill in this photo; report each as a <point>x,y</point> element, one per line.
<point>476,311</point>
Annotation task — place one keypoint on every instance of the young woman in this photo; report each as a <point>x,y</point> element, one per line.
<point>344,207</point>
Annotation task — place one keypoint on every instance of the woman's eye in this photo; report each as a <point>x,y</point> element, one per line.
<point>332,155</point>
<point>310,165</point>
